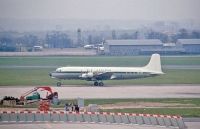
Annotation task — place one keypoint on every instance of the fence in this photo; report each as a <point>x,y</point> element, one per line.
<point>92,117</point>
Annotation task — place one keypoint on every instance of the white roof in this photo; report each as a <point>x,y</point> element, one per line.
<point>189,41</point>
<point>169,44</point>
<point>134,42</point>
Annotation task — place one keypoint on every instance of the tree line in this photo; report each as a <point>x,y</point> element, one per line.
<point>13,41</point>
<point>10,42</point>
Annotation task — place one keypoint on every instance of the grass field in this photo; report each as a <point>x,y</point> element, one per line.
<point>191,107</point>
<point>39,76</point>
<point>187,101</point>
<point>188,107</point>
<point>95,61</point>
<point>17,76</point>
<point>184,112</point>
<point>192,111</point>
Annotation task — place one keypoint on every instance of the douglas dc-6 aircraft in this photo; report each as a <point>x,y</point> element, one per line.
<point>98,74</point>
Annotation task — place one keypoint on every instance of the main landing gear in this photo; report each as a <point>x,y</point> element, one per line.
<point>96,83</point>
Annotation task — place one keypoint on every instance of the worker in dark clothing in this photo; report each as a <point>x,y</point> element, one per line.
<point>76,108</point>
<point>66,107</point>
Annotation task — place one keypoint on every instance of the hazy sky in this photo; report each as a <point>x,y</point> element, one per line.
<point>102,9</point>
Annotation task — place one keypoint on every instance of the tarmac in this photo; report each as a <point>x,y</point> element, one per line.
<point>190,125</point>
<point>76,126</point>
<point>54,52</point>
<point>135,91</point>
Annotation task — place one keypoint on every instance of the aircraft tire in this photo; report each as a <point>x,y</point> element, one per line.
<point>58,84</point>
<point>96,83</point>
<point>101,84</point>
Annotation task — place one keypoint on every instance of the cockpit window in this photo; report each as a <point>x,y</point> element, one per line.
<point>58,70</point>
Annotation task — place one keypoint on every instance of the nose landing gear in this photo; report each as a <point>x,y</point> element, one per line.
<point>58,84</point>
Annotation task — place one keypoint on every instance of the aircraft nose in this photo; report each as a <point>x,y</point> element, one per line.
<point>52,75</point>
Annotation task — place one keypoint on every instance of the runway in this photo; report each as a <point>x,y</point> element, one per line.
<point>53,52</point>
<point>56,66</point>
<point>76,126</point>
<point>190,125</point>
<point>136,91</point>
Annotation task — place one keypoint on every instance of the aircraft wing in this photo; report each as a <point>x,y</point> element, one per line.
<point>96,75</point>
<point>103,75</point>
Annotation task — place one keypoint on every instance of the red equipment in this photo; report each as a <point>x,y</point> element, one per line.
<point>44,105</point>
<point>22,98</point>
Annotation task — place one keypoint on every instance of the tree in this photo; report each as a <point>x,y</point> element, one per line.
<point>158,35</point>
<point>58,40</point>
<point>28,40</point>
<point>97,39</point>
<point>114,34</point>
<point>7,44</point>
<point>126,36</point>
<point>89,39</point>
<point>195,35</point>
<point>183,34</point>
<point>133,35</point>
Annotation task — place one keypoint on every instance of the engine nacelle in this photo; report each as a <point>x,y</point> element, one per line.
<point>87,75</point>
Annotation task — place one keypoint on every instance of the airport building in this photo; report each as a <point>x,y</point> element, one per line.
<point>137,47</point>
<point>190,46</point>
<point>131,47</point>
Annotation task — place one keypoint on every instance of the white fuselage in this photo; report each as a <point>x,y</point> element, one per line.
<point>153,68</point>
<point>102,69</point>
<point>88,73</point>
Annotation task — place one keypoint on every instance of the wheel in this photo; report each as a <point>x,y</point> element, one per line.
<point>96,83</point>
<point>101,84</point>
<point>58,84</point>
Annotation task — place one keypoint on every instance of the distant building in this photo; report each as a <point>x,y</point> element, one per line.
<point>171,49</point>
<point>132,47</point>
<point>190,46</point>
<point>150,46</point>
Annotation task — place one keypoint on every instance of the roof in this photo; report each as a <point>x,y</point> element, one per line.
<point>169,44</point>
<point>134,42</point>
<point>189,41</point>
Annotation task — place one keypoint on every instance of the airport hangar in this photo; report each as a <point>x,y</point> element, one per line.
<point>150,46</point>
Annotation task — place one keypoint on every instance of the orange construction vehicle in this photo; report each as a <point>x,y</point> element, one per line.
<point>27,98</point>
<point>36,95</point>
<point>33,96</point>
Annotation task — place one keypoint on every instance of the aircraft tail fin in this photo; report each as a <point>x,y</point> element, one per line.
<point>154,64</point>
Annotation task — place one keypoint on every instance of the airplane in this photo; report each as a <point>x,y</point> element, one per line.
<point>89,46</point>
<point>98,74</point>
<point>94,46</point>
